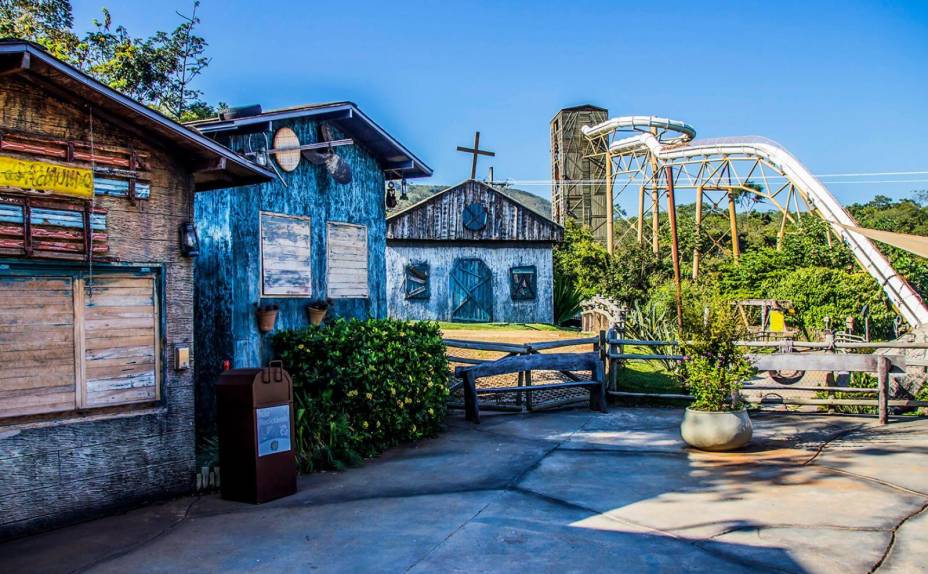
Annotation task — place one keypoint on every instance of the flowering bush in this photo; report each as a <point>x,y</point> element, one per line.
<point>361,387</point>
<point>714,368</point>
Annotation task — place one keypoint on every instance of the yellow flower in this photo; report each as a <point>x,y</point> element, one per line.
<point>364,424</point>
<point>301,346</point>
<point>413,428</point>
<point>431,411</point>
<point>392,391</point>
<point>399,404</point>
<point>408,401</point>
<point>352,393</point>
<point>378,424</point>
<point>370,396</point>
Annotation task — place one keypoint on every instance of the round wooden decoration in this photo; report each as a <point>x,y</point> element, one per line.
<point>286,138</point>
<point>475,217</point>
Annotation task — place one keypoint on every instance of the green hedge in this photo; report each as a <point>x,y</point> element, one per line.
<point>361,387</point>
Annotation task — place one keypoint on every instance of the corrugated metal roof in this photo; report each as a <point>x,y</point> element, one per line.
<point>392,156</point>
<point>20,56</point>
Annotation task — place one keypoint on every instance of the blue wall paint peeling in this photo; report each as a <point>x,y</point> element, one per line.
<point>228,282</point>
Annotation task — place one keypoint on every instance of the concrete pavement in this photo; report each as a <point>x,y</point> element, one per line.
<point>570,491</point>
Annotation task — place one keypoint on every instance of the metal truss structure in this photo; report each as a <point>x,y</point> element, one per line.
<point>648,159</point>
<point>579,189</point>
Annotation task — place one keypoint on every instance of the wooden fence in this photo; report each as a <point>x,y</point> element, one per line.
<point>824,356</point>
<point>524,378</point>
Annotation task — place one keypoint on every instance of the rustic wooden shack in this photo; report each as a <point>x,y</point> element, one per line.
<point>471,253</point>
<point>96,296</point>
<point>316,232</point>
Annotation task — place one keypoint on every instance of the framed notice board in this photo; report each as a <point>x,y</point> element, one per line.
<point>286,255</point>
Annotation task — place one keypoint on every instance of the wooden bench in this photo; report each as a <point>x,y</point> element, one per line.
<point>564,362</point>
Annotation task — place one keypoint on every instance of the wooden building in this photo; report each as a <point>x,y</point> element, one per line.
<point>471,253</point>
<point>316,232</point>
<point>96,296</point>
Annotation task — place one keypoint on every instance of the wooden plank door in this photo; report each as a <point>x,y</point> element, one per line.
<point>38,367</point>
<point>471,291</point>
<point>120,342</point>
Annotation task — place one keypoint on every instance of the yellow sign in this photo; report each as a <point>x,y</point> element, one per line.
<point>43,176</point>
<point>777,322</point>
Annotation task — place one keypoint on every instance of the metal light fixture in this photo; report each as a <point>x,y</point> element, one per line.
<point>403,190</point>
<point>189,242</point>
<point>391,195</point>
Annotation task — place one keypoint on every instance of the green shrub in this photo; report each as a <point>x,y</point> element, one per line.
<point>567,299</point>
<point>361,387</point>
<point>714,368</point>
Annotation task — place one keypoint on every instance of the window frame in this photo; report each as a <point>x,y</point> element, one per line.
<point>329,256</point>
<point>264,293</point>
<point>79,277</point>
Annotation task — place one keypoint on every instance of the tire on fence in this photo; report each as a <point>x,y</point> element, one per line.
<point>786,377</point>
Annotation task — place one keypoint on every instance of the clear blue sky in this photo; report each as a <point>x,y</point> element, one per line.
<point>843,85</point>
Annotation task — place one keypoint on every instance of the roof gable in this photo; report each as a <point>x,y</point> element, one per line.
<point>442,217</point>
<point>212,164</point>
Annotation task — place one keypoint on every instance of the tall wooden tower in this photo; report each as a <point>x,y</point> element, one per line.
<point>578,189</point>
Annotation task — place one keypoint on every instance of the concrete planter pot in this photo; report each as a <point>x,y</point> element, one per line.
<point>716,430</point>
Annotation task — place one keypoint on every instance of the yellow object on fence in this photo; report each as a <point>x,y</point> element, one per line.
<point>777,321</point>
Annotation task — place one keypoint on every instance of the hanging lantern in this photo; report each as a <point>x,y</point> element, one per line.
<point>189,242</point>
<point>391,195</point>
<point>403,190</point>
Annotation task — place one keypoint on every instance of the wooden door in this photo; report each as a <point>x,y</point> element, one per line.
<point>38,370</point>
<point>471,291</point>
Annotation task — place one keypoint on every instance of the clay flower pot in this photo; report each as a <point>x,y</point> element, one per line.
<point>267,317</point>
<point>316,315</point>
<point>716,430</point>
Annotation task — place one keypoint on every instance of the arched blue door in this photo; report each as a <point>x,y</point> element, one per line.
<point>471,291</point>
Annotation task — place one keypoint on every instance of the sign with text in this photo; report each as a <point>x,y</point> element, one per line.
<point>44,176</point>
<point>273,429</point>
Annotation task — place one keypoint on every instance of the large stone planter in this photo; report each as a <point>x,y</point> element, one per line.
<point>716,430</point>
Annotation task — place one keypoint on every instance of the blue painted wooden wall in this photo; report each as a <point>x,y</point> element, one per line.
<point>228,282</point>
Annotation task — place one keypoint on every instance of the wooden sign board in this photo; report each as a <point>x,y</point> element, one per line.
<point>48,177</point>
<point>286,259</point>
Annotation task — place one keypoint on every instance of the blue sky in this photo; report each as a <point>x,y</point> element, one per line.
<point>843,85</point>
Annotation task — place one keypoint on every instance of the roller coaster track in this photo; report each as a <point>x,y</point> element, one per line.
<point>640,148</point>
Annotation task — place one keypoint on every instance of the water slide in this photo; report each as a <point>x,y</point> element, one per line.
<point>681,146</point>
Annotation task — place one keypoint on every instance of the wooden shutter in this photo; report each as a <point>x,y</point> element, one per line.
<point>286,256</point>
<point>37,353</point>
<point>120,340</point>
<point>346,261</point>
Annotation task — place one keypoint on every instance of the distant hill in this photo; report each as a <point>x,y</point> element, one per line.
<point>417,193</point>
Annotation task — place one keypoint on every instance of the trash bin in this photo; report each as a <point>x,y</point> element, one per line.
<point>256,446</point>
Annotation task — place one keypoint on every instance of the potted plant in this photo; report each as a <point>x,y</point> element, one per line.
<point>267,316</point>
<point>317,311</point>
<point>713,371</point>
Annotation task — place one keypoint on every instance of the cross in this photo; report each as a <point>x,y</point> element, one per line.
<point>476,151</point>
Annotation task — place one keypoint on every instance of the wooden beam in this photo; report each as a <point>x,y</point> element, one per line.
<point>15,65</point>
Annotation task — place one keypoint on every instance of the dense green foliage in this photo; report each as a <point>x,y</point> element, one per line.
<point>715,368</point>
<point>361,387</point>
<point>157,70</point>
<point>567,299</point>
<point>816,272</point>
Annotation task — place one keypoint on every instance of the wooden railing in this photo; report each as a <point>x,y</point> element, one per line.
<point>827,358</point>
<point>524,400</point>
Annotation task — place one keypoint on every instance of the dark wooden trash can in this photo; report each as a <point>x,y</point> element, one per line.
<point>256,444</point>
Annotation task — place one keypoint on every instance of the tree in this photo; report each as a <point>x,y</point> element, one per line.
<point>157,71</point>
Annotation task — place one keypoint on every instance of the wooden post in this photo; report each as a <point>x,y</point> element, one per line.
<point>613,371</point>
<point>674,246</point>
<point>610,233</point>
<point>699,192</point>
<point>655,203</point>
<point>732,217</point>
<point>882,381</point>
<point>641,215</point>
<point>473,165</point>
<point>782,231</point>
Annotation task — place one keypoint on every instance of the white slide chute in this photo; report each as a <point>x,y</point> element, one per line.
<point>682,147</point>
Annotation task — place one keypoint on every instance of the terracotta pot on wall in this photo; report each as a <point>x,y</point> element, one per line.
<point>267,317</point>
<point>316,315</point>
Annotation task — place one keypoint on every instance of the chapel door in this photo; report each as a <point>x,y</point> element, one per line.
<point>471,292</point>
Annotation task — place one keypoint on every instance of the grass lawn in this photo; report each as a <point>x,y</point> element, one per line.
<point>499,327</point>
<point>646,376</point>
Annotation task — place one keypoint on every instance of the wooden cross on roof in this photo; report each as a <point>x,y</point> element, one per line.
<point>476,151</point>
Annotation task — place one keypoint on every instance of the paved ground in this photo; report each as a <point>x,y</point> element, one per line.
<point>559,492</point>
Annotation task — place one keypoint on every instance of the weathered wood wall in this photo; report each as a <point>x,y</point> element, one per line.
<point>440,218</point>
<point>54,473</point>
<point>228,271</point>
<point>498,257</point>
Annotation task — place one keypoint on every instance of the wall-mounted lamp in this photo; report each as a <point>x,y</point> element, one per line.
<point>189,242</point>
<point>391,195</point>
